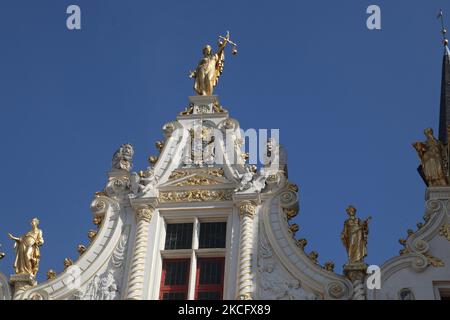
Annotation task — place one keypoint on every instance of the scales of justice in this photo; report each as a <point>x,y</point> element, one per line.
<point>210,67</point>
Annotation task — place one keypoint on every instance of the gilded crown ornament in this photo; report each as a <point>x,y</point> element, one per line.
<point>210,67</point>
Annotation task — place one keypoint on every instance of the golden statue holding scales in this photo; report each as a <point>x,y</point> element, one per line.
<point>211,66</point>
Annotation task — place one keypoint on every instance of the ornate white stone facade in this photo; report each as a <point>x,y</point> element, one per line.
<point>263,260</point>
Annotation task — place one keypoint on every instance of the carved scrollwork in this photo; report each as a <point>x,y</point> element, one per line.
<point>289,199</point>
<point>420,263</point>
<point>337,290</point>
<point>433,206</point>
<point>420,246</point>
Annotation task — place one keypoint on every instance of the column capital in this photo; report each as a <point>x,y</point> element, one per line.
<point>247,208</point>
<point>144,213</point>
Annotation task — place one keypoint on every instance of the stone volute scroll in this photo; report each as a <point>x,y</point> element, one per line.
<point>247,211</point>
<point>143,214</point>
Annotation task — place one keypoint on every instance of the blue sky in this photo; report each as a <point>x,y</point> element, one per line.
<point>348,101</point>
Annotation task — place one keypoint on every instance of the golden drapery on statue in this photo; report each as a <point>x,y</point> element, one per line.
<point>210,67</point>
<point>433,159</point>
<point>354,237</point>
<point>27,250</point>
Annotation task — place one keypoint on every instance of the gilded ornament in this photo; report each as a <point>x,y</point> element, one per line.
<point>197,181</point>
<point>294,228</point>
<point>81,249</point>
<point>434,261</point>
<point>302,243</point>
<point>67,263</point>
<point>313,255</point>
<point>410,232</point>
<point>245,156</point>
<point>152,160</point>
<point>290,213</point>
<point>27,250</point>
<point>195,195</point>
<point>92,234</point>
<point>97,220</point>
<point>419,225</point>
<point>2,254</point>
<point>51,274</point>
<point>159,146</point>
<point>293,187</point>
<point>444,231</point>
<point>329,266</point>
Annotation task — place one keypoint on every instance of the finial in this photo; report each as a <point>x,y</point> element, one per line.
<point>443,28</point>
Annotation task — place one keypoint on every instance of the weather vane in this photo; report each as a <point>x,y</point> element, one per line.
<point>211,66</point>
<point>443,28</point>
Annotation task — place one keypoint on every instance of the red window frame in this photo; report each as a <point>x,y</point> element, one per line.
<point>174,288</point>
<point>209,287</point>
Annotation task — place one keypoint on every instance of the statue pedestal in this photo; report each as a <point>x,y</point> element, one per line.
<point>21,282</point>
<point>203,105</point>
<point>355,271</point>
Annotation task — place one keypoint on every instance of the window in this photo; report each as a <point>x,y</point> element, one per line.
<point>209,278</point>
<point>194,260</point>
<point>174,279</point>
<point>212,235</point>
<point>179,236</point>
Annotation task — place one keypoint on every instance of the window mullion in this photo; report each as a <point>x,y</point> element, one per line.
<point>192,277</point>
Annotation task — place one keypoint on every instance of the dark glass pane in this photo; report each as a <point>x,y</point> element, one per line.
<point>174,296</point>
<point>210,271</point>
<point>209,296</point>
<point>212,235</point>
<point>176,273</point>
<point>179,236</point>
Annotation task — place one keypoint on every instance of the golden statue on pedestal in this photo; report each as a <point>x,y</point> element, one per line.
<point>433,159</point>
<point>354,237</point>
<point>27,250</point>
<point>210,67</point>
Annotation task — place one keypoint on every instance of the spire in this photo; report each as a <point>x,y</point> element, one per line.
<point>444,116</point>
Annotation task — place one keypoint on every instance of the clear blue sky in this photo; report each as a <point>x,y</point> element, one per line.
<point>349,103</point>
